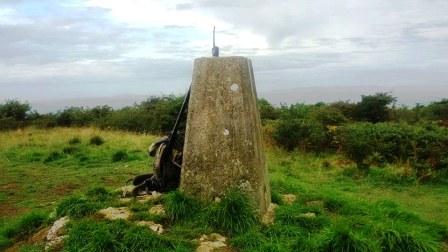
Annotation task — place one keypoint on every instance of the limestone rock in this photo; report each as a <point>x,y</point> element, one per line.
<point>157,210</point>
<point>158,228</point>
<point>149,197</point>
<point>288,199</point>
<point>308,215</point>
<point>55,235</point>
<point>113,213</point>
<point>269,216</point>
<point>57,228</point>
<point>126,191</point>
<point>223,142</point>
<point>212,242</point>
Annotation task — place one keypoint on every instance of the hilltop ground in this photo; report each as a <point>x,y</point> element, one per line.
<point>39,168</point>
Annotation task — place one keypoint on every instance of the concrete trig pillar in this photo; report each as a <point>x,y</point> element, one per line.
<point>223,142</point>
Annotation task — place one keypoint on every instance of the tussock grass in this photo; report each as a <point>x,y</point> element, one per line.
<point>233,214</point>
<point>117,236</point>
<point>120,155</point>
<point>395,241</point>
<point>96,140</point>
<point>342,239</point>
<point>74,140</point>
<point>76,207</point>
<point>21,227</point>
<point>180,206</point>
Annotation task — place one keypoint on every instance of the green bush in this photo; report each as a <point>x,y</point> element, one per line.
<point>425,147</point>
<point>303,134</point>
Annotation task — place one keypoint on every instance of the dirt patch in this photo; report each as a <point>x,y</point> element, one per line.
<point>8,209</point>
<point>9,187</point>
<point>65,188</point>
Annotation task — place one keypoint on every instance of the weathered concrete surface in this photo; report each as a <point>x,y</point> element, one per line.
<point>223,142</point>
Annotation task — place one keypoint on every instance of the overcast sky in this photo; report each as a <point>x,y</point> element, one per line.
<point>56,53</point>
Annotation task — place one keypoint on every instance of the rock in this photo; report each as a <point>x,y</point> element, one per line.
<point>57,229</point>
<point>315,203</point>
<point>56,243</point>
<point>149,197</point>
<point>212,242</point>
<point>55,235</point>
<point>289,198</point>
<point>158,228</point>
<point>269,217</point>
<point>113,213</point>
<point>126,191</point>
<point>157,210</point>
<point>308,215</point>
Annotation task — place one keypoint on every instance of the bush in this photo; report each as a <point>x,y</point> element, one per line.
<point>96,140</point>
<point>233,214</point>
<point>303,134</point>
<point>53,156</point>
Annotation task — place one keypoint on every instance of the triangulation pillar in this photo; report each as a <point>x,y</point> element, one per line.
<point>223,142</point>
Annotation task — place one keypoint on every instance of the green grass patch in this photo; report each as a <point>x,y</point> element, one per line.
<point>233,214</point>
<point>180,206</point>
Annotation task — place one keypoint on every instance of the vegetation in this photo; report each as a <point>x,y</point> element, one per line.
<point>368,176</point>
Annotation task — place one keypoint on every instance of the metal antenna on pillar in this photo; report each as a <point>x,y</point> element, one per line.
<point>215,49</point>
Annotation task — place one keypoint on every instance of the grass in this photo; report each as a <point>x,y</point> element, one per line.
<point>337,209</point>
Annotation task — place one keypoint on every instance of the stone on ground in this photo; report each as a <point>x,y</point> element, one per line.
<point>288,199</point>
<point>149,197</point>
<point>113,213</point>
<point>55,235</point>
<point>158,228</point>
<point>157,210</point>
<point>309,215</point>
<point>269,216</point>
<point>213,242</point>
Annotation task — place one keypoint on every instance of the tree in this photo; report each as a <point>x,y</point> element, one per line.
<point>374,108</point>
<point>14,109</point>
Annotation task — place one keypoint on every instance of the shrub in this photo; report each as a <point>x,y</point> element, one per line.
<point>120,155</point>
<point>96,140</point>
<point>299,133</point>
<point>233,214</point>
